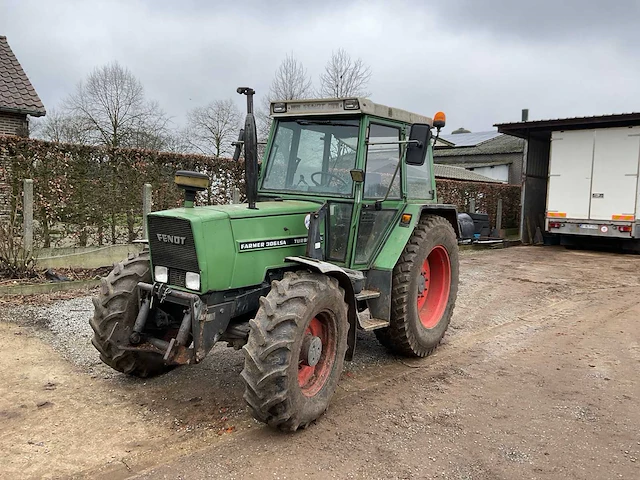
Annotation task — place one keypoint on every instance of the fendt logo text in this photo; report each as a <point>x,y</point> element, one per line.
<point>176,240</point>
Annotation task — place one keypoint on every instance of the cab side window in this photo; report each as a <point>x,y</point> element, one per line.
<point>382,160</point>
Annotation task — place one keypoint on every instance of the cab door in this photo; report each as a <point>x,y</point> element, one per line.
<point>376,214</point>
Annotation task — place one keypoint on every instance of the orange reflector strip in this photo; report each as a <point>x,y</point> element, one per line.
<point>626,218</point>
<point>556,215</point>
<point>406,218</point>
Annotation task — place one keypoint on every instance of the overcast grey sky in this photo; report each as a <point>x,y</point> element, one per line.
<point>480,61</point>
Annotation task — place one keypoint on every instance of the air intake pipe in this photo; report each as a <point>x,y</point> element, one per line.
<point>250,143</point>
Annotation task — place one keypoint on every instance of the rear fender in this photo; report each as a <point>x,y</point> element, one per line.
<point>449,212</point>
<point>332,270</point>
<point>396,241</point>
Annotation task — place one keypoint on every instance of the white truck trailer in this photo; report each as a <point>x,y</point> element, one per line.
<point>593,183</point>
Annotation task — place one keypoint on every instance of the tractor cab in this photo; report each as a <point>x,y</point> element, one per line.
<point>350,155</point>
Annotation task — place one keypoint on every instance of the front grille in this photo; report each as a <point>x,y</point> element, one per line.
<point>177,277</point>
<point>171,244</point>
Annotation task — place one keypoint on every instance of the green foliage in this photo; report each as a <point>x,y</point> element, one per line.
<point>94,194</point>
<point>486,196</point>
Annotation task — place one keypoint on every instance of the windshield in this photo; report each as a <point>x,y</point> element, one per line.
<point>313,156</point>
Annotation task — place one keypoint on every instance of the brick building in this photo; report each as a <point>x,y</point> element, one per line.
<point>18,100</point>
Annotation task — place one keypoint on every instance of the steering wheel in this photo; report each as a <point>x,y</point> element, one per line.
<point>327,174</point>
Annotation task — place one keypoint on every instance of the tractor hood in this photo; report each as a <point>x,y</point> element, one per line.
<point>210,212</point>
<point>229,246</point>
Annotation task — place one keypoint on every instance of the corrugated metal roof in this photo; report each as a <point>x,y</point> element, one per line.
<point>456,173</point>
<point>571,119</point>
<point>542,128</point>
<point>470,139</point>
<point>16,92</point>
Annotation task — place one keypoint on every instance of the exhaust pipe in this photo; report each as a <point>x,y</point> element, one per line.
<point>250,142</point>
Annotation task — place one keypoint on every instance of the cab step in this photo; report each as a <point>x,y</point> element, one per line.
<point>368,323</point>
<point>367,295</point>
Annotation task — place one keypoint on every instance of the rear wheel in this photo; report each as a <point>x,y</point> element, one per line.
<point>116,308</point>
<point>424,289</point>
<point>295,353</point>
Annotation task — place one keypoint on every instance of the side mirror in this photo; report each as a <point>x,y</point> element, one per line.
<point>419,139</point>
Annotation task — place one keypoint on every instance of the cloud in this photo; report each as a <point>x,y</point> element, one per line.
<point>481,62</point>
<point>546,22</point>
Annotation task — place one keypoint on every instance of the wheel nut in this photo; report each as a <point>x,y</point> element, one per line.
<point>311,350</point>
<point>135,338</point>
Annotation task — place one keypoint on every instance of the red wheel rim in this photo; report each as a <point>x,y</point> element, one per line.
<point>435,276</point>
<point>312,379</point>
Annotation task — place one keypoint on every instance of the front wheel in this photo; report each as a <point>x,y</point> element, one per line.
<point>295,353</point>
<point>116,308</point>
<point>424,289</point>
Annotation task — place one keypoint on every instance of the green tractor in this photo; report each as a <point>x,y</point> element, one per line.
<point>341,232</point>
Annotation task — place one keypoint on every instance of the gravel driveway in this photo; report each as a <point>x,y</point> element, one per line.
<point>537,378</point>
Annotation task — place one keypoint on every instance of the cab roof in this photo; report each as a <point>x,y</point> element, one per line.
<point>336,106</point>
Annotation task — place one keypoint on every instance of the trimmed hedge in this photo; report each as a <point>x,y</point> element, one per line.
<point>93,195</point>
<point>486,196</point>
<point>89,195</point>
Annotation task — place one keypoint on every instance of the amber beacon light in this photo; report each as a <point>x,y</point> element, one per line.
<point>439,120</point>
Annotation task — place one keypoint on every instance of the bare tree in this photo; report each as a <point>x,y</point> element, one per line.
<point>263,120</point>
<point>212,128</point>
<point>290,82</point>
<point>176,142</point>
<point>344,77</point>
<point>59,127</point>
<point>112,105</point>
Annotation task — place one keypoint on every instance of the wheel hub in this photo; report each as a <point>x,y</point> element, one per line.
<point>422,286</point>
<point>311,350</point>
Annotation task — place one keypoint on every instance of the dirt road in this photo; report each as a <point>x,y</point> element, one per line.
<point>537,378</point>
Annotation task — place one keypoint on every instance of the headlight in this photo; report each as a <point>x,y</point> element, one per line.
<point>351,104</point>
<point>192,281</point>
<point>279,107</point>
<point>161,274</point>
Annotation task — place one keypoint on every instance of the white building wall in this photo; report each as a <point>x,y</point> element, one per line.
<point>497,172</point>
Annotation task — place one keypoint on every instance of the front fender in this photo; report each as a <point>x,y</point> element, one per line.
<point>327,268</point>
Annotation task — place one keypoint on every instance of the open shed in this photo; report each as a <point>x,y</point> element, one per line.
<point>537,155</point>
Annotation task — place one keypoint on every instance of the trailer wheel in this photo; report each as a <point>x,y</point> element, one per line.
<point>424,289</point>
<point>296,349</point>
<point>116,308</point>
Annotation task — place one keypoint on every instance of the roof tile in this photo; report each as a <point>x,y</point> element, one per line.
<point>497,145</point>
<point>16,92</point>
